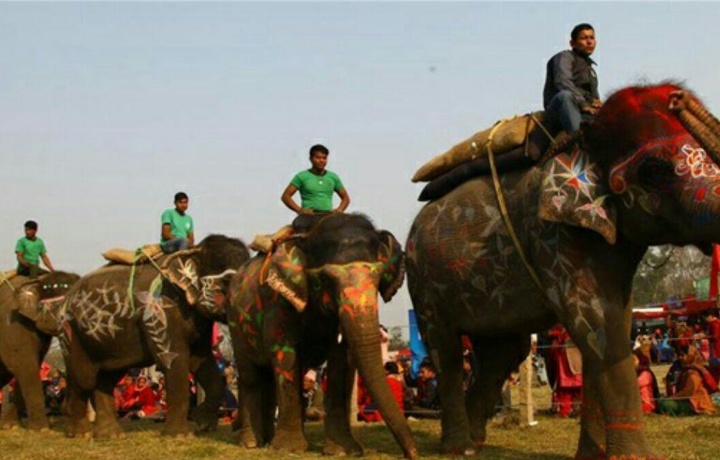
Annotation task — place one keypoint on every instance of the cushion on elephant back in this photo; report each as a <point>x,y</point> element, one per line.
<point>519,158</point>
<point>127,257</point>
<point>503,136</point>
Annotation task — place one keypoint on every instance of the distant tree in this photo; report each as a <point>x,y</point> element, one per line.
<point>668,272</point>
<point>397,342</point>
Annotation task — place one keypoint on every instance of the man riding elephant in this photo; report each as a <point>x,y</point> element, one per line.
<point>571,84</point>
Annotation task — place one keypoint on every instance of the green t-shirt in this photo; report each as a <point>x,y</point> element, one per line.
<point>180,225</point>
<point>316,192</point>
<point>31,249</point>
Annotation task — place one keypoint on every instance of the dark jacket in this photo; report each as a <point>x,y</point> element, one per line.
<point>573,72</point>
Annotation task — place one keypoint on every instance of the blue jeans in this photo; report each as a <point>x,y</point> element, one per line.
<point>174,245</point>
<point>564,111</point>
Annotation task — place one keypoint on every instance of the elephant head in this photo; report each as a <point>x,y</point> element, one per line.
<point>646,167</point>
<point>203,273</point>
<point>340,266</point>
<point>41,300</point>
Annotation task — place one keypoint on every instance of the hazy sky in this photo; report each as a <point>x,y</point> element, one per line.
<point>109,109</point>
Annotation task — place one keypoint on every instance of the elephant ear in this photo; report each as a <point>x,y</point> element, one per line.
<point>28,301</point>
<point>181,270</point>
<point>213,288</point>
<point>391,255</point>
<point>286,273</point>
<point>573,192</point>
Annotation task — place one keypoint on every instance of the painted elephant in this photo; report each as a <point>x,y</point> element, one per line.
<point>644,172</point>
<point>29,312</point>
<point>119,317</point>
<point>286,311</point>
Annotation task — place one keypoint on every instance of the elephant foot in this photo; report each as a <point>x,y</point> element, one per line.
<point>207,420</point>
<point>79,429</point>
<point>464,449</point>
<point>246,439</point>
<point>291,441</point>
<point>348,447</point>
<point>108,431</point>
<point>38,426</point>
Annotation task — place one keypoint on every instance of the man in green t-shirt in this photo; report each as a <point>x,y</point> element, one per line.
<point>29,250</point>
<point>316,186</point>
<point>177,231</point>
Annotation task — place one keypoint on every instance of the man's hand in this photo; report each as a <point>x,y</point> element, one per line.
<point>589,109</point>
<point>338,211</point>
<point>306,212</point>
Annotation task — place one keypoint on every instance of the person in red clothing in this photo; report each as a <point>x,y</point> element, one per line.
<point>143,402</point>
<point>647,383</point>
<point>567,362</point>
<point>713,334</point>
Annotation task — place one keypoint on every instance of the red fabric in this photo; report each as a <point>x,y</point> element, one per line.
<point>714,268</point>
<point>714,337</point>
<point>647,394</point>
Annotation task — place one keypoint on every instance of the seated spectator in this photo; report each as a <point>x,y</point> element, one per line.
<point>468,377</point>
<point>426,403</point>
<point>666,350</point>
<point>124,392</point>
<point>647,383</point>
<point>692,397</point>
<point>312,397</point>
<point>55,393</point>
<point>143,403</point>
<point>396,382</point>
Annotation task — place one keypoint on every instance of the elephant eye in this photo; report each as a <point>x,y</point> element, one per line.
<point>657,172</point>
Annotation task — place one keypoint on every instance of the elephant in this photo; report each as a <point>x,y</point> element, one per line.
<point>286,310</point>
<point>29,319</point>
<point>120,316</point>
<point>564,247</point>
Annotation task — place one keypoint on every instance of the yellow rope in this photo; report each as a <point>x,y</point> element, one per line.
<point>503,209</point>
<point>4,279</point>
<point>131,283</point>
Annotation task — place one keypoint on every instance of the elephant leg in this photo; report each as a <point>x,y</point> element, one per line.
<point>242,424</point>
<point>77,407</point>
<point>82,379</point>
<point>10,416</point>
<point>178,396</point>
<point>496,358</point>
<point>340,381</point>
<point>268,403</point>
<point>253,383</point>
<point>592,420</point>
<point>208,376</point>
<point>106,425</point>
<point>29,385</point>
<point>445,348</point>
<point>605,341</point>
<point>289,434</point>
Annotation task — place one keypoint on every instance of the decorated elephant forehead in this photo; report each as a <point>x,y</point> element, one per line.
<point>646,106</point>
<point>349,269</point>
<point>681,151</point>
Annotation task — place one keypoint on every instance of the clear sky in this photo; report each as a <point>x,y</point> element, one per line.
<point>108,109</point>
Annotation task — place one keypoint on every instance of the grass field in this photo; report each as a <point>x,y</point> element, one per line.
<point>689,438</point>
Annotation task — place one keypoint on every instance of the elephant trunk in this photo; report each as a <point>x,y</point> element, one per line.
<point>359,323</point>
<point>363,338</point>
<point>699,122</point>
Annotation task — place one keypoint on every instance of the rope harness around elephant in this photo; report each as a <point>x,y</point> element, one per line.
<point>504,211</point>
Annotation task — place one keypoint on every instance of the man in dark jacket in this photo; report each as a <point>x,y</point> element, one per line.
<point>571,85</point>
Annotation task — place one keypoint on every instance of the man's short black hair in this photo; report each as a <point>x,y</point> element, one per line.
<point>31,224</point>
<point>579,28</point>
<point>319,148</point>
<point>180,196</point>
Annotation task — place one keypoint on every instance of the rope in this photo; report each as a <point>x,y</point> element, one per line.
<point>131,283</point>
<point>506,216</point>
<point>7,281</point>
